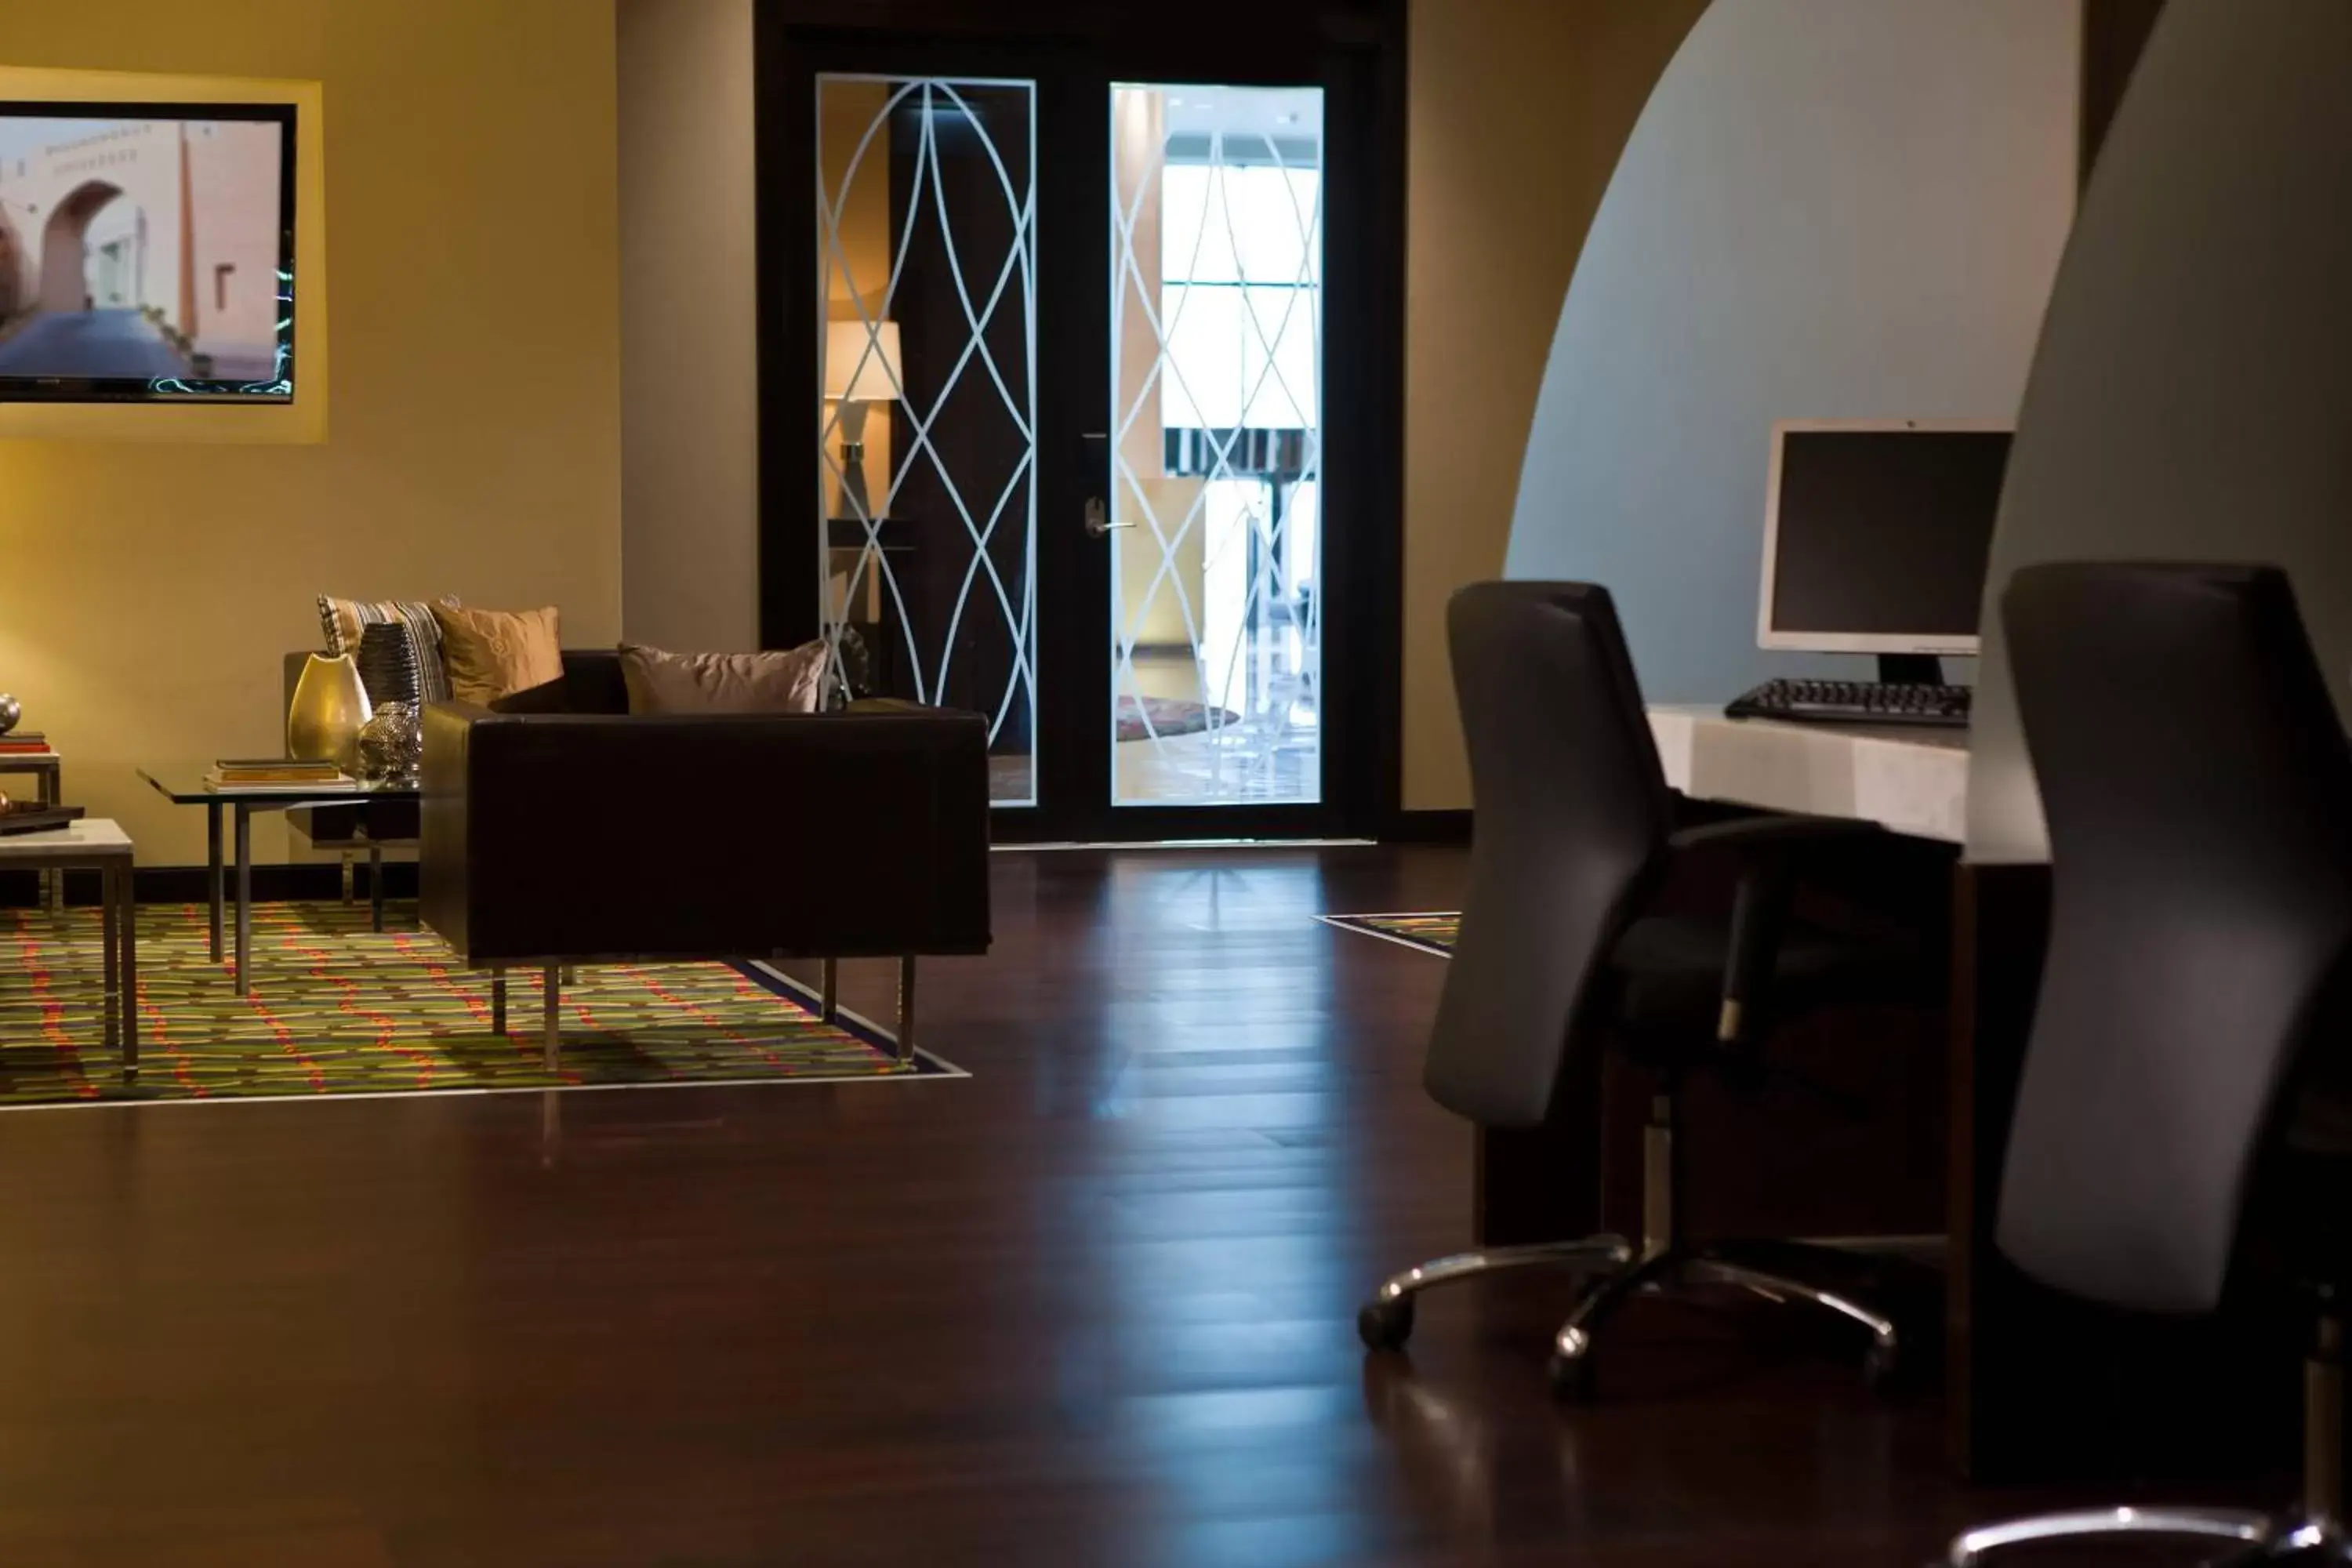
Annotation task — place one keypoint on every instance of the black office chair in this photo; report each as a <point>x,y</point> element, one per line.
<point>1574,833</point>
<point>2180,1110</point>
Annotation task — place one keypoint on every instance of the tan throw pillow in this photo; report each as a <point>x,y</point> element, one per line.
<point>491,653</point>
<point>791,681</point>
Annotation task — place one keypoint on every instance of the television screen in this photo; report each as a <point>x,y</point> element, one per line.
<point>146,252</point>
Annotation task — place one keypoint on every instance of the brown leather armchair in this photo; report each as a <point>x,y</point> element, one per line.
<point>559,830</point>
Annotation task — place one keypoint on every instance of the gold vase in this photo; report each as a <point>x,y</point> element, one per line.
<point>322,724</point>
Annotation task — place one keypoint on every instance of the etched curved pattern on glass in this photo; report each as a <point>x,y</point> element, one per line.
<point>1216,387</point>
<point>926,388</point>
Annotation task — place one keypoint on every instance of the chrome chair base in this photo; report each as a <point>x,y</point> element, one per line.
<point>1760,1267</point>
<point>2265,1539</point>
<point>1766,1269</point>
<point>2311,1533</point>
<point>1385,1322</point>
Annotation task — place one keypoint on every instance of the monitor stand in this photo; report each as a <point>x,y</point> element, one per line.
<point>1910,669</point>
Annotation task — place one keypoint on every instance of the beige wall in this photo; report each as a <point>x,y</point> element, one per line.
<point>690,386</point>
<point>1519,110</point>
<point>148,591</point>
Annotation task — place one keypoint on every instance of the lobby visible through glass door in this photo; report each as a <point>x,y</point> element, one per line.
<point>925,399</point>
<point>1215,446</point>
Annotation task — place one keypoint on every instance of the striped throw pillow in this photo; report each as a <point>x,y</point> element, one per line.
<point>344,620</point>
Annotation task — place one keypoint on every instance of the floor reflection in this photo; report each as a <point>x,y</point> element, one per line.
<point>1222,1255</point>
<point>1452,1453</point>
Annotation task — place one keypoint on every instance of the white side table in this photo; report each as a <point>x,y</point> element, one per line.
<point>96,844</point>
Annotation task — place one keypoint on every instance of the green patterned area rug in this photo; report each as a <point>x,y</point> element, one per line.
<point>1430,932</point>
<point>339,1010</point>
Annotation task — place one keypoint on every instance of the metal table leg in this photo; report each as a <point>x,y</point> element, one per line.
<point>213,870</point>
<point>244,900</point>
<point>907,1009</point>
<point>553,1021</point>
<point>130,968</point>
<point>51,792</point>
<point>110,933</point>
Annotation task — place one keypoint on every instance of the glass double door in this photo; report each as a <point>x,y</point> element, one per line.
<point>1067,412</point>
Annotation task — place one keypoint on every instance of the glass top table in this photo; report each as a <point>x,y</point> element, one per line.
<point>183,783</point>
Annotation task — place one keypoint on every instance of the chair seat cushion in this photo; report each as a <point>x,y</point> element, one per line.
<point>1668,973</point>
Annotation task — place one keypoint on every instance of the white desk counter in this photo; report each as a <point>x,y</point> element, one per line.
<point>1908,780</point>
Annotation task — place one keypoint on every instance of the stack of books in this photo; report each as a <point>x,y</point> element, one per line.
<point>24,743</point>
<point>277,773</point>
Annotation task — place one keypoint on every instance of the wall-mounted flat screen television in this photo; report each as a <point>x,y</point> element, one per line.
<point>146,252</point>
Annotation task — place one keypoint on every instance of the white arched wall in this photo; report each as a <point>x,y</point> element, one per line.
<point>1829,209</point>
<point>2192,395</point>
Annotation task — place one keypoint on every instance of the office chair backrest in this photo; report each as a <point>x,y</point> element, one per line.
<point>2199,792</point>
<point>1571,811</point>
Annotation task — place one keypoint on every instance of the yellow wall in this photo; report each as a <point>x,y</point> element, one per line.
<point>1519,110</point>
<point>147,591</point>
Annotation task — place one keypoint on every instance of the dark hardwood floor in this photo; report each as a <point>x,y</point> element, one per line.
<point>1093,1306</point>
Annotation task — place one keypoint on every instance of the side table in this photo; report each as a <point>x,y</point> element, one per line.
<point>49,768</point>
<point>375,848</point>
<point>183,785</point>
<point>99,845</point>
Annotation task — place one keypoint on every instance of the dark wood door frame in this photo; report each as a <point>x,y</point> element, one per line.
<point>1355,49</point>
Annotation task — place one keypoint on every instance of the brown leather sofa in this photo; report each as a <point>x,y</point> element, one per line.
<point>559,830</point>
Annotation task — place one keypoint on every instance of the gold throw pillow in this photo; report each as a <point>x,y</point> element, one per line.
<point>789,681</point>
<point>494,653</point>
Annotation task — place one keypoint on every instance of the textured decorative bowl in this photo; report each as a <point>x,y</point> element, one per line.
<point>392,744</point>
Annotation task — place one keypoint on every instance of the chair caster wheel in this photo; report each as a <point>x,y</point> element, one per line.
<point>1571,1378</point>
<point>1385,1325</point>
<point>1882,1366</point>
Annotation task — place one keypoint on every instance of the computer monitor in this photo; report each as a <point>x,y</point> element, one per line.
<point>1876,533</point>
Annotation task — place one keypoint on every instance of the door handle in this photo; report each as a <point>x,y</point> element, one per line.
<point>1094,469</point>
<point>1099,522</point>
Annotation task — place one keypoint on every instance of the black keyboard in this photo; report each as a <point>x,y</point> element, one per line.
<point>1855,702</point>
